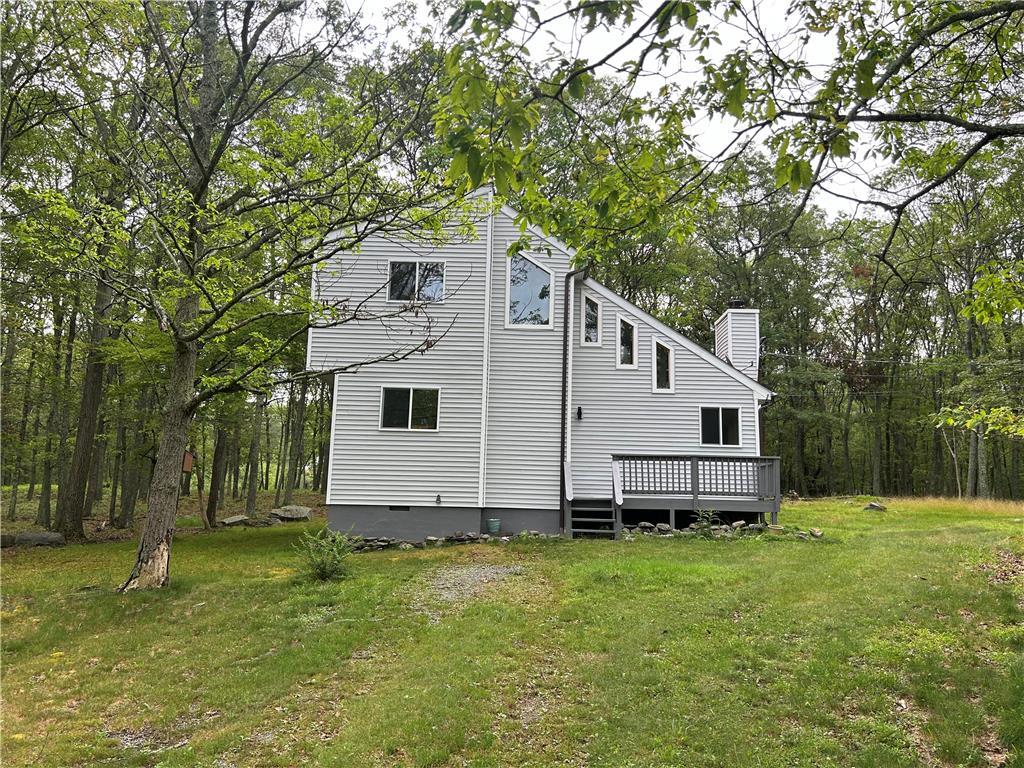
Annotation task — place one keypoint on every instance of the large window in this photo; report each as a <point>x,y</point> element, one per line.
<point>529,293</point>
<point>720,426</point>
<point>626,344</point>
<point>416,281</point>
<point>408,408</point>
<point>663,377</point>
<point>590,323</point>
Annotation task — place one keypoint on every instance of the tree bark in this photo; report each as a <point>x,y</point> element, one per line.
<point>55,416</point>
<point>297,459</point>
<point>153,560</point>
<point>71,498</point>
<point>254,455</point>
<point>218,476</point>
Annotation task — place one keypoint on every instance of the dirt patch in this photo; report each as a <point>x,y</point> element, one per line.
<point>144,739</point>
<point>455,585</point>
<point>1007,569</point>
<point>913,721</point>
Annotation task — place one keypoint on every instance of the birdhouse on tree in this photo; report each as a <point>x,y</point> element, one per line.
<point>187,459</point>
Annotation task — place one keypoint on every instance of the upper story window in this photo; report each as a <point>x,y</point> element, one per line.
<point>626,344</point>
<point>590,323</point>
<point>416,281</point>
<point>663,370</point>
<point>529,292</point>
<point>719,426</point>
<point>409,408</point>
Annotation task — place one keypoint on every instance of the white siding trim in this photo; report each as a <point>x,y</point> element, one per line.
<point>550,325</point>
<point>673,334</point>
<point>568,376</point>
<point>486,373</point>
<point>619,320</point>
<point>671,367</point>
<point>330,451</point>
<point>584,298</point>
<point>410,387</point>
<point>700,430</point>
<point>757,427</point>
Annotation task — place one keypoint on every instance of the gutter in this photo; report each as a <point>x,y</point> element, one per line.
<point>566,309</point>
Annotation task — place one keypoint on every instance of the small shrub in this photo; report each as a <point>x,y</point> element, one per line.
<point>706,520</point>
<point>323,554</point>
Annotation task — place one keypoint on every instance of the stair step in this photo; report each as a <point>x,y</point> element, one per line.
<point>594,530</point>
<point>593,519</point>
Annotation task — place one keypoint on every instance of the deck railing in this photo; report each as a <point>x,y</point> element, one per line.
<point>748,477</point>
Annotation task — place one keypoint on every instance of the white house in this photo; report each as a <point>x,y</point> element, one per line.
<point>560,421</point>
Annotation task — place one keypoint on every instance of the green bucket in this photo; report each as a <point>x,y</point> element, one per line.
<point>493,526</point>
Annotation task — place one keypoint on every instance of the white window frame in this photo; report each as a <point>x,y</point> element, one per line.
<point>619,320</point>
<point>416,281</point>
<point>655,342</point>
<point>410,387</point>
<point>550,324</point>
<point>700,432</point>
<point>585,297</point>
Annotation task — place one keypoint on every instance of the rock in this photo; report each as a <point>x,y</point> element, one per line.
<point>816,532</point>
<point>260,522</point>
<point>418,544</point>
<point>645,526</point>
<point>39,539</point>
<point>663,528</point>
<point>875,506</point>
<point>802,536</point>
<point>292,513</point>
<point>535,534</point>
<point>485,537</point>
<point>7,539</point>
<point>505,539</point>
<point>792,496</point>
<point>775,529</point>
<point>405,546</point>
<point>739,524</point>
<point>431,540</point>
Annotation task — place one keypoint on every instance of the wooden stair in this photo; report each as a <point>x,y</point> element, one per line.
<point>593,518</point>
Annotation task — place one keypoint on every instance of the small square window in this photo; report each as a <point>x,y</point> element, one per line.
<point>720,426</point>
<point>402,281</point>
<point>409,408</point>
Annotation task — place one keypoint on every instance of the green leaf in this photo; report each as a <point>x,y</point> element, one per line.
<point>865,77</point>
<point>475,166</point>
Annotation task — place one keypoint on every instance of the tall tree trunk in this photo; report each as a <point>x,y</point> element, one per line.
<point>297,459</point>
<point>94,490</point>
<point>236,458</point>
<point>254,454</point>
<point>120,452</point>
<point>984,483</point>
<point>153,560</point>
<point>52,419</point>
<point>71,497</point>
<point>972,465</point>
<point>217,476</point>
<point>282,456</point>
<point>134,464</point>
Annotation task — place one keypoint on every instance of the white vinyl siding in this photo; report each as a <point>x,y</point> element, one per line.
<point>524,401</point>
<point>405,467</point>
<point>621,413</point>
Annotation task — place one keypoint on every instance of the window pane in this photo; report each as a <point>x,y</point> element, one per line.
<point>663,361</point>
<point>424,409</point>
<point>529,292</point>
<point>395,411</point>
<point>402,282</point>
<point>431,281</point>
<point>709,433</point>
<point>730,426</point>
<point>625,343</point>
<point>590,329</point>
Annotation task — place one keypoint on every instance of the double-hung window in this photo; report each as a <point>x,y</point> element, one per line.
<point>416,281</point>
<point>590,322</point>
<point>409,408</point>
<point>626,346</point>
<point>529,293</point>
<point>719,426</point>
<point>663,376</point>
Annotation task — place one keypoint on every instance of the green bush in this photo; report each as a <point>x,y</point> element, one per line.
<point>324,554</point>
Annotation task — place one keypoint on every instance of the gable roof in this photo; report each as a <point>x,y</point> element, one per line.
<point>761,391</point>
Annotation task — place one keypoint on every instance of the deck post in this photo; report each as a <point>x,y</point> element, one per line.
<point>695,481</point>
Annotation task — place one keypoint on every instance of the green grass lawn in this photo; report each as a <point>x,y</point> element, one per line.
<point>897,640</point>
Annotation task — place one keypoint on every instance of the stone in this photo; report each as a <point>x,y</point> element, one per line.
<point>405,546</point>
<point>739,524</point>
<point>775,529</point>
<point>505,539</point>
<point>875,506</point>
<point>816,532</point>
<point>39,539</point>
<point>535,534</point>
<point>431,540</point>
<point>485,537</point>
<point>663,528</point>
<point>292,513</point>
<point>645,526</point>
<point>7,539</point>
<point>418,544</point>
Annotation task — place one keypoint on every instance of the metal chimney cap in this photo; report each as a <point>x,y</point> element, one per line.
<point>735,303</point>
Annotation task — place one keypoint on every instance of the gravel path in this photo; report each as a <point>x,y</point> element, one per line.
<point>454,585</point>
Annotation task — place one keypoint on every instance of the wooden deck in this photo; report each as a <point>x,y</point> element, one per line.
<point>737,484</point>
